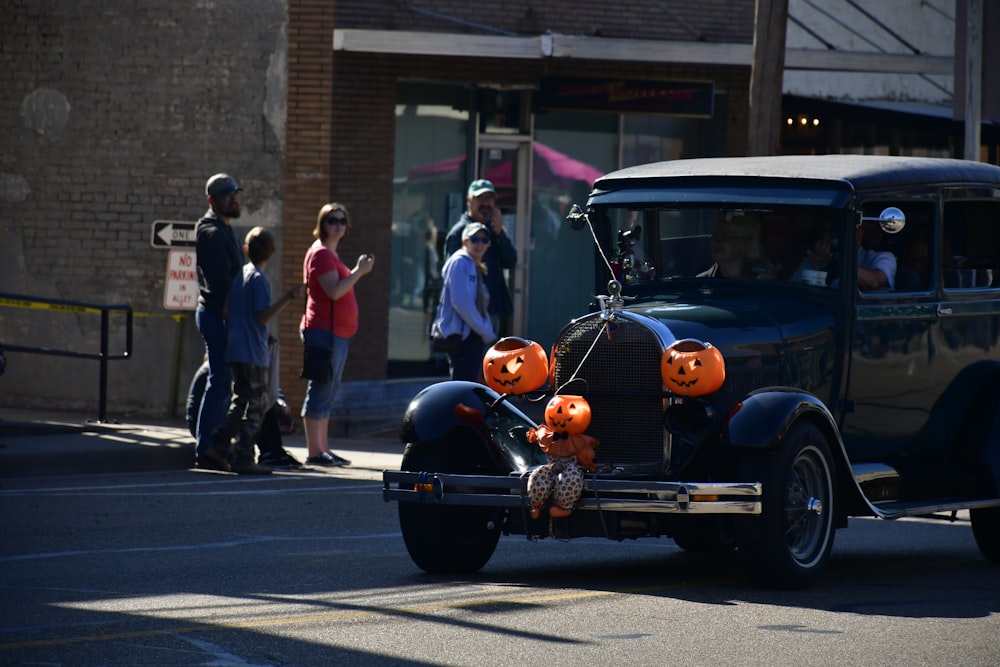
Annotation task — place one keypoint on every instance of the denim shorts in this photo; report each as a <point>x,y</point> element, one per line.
<point>321,395</point>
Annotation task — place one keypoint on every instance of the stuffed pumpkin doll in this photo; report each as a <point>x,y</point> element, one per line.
<point>568,452</point>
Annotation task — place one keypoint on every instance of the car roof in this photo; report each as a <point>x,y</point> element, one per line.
<point>855,171</point>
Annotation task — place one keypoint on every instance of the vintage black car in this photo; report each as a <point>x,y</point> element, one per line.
<point>848,391</point>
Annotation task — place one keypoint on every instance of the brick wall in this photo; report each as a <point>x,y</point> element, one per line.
<point>112,116</point>
<point>307,168</point>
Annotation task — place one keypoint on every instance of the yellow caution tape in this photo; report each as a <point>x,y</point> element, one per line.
<point>40,305</point>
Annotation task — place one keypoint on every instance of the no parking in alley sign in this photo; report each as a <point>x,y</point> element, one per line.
<point>181,290</point>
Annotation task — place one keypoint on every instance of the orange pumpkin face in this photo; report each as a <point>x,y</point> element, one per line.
<point>692,368</point>
<point>566,413</point>
<point>515,366</point>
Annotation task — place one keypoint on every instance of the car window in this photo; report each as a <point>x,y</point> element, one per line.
<point>713,242</point>
<point>912,247</point>
<point>971,247</point>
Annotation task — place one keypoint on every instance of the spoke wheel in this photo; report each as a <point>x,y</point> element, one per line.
<point>788,545</point>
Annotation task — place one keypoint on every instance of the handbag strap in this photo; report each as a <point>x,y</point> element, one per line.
<point>332,300</point>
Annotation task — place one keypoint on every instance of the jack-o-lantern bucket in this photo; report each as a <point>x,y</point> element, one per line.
<point>515,366</point>
<point>692,368</point>
<point>566,413</point>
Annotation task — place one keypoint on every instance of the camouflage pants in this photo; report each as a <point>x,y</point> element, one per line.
<point>246,411</point>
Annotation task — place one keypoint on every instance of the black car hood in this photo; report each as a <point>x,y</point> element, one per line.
<point>742,323</point>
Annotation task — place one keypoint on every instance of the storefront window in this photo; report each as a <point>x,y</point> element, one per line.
<point>585,146</point>
<point>428,196</point>
<point>570,150</point>
<point>648,138</point>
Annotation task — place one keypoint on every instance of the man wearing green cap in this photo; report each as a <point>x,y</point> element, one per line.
<point>481,206</point>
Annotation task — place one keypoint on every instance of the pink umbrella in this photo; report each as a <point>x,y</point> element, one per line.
<point>551,168</point>
<point>430,170</point>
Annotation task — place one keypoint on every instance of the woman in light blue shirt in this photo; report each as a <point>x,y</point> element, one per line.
<point>463,313</point>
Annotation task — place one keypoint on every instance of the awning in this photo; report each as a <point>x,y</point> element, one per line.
<point>550,168</point>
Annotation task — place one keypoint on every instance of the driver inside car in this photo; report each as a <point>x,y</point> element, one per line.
<point>735,246</point>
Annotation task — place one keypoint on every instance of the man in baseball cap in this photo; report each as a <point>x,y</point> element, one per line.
<point>481,206</point>
<point>221,185</point>
<point>480,187</point>
<point>219,258</point>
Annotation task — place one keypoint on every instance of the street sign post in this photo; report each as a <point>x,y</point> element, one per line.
<point>172,234</point>
<point>181,289</point>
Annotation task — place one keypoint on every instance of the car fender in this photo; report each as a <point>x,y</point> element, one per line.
<point>764,416</point>
<point>762,419</point>
<point>467,414</point>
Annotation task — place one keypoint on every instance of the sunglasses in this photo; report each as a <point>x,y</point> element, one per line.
<point>479,239</point>
<point>335,220</point>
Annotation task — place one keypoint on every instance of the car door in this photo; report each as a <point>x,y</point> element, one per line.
<point>915,350</point>
<point>894,370</point>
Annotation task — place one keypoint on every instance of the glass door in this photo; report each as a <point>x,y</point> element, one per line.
<point>505,160</point>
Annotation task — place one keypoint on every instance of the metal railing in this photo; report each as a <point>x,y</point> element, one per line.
<point>62,305</point>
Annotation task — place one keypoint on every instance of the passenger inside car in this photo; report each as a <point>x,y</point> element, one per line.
<point>913,272</point>
<point>876,269</point>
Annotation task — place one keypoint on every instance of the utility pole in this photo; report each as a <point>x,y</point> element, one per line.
<point>973,78</point>
<point>766,73</point>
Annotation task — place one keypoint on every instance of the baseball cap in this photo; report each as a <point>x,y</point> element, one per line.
<point>479,187</point>
<point>471,228</point>
<point>221,184</point>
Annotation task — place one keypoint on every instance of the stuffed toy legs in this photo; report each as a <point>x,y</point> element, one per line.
<point>562,480</point>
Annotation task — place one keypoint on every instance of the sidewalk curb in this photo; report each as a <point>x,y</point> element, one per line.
<point>33,445</point>
<point>85,460</point>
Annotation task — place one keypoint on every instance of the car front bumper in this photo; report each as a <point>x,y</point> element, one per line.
<point>609,495</point>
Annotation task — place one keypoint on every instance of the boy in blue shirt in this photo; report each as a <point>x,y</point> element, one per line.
<point>248,312</point>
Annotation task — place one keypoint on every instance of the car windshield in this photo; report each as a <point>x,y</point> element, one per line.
<point>791,244</point>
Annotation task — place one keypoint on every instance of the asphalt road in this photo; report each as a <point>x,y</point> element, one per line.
<point>193,568</point>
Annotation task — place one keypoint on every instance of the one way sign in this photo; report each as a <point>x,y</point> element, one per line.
<point>172,234</point>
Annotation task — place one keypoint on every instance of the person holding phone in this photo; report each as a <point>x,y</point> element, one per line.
<point>330,321</point>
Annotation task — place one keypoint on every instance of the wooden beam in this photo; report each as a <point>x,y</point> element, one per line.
<point>577,47</point>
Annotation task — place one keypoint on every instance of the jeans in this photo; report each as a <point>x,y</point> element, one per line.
<point>320,395</point>
<point>218,389</point>
<point>468,363</point>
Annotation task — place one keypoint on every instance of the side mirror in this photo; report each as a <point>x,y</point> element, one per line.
<point>630,237</point>
<point>576,217</point>
<point>891,220</point>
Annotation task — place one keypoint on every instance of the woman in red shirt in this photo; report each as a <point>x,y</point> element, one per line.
<point>330,320</point>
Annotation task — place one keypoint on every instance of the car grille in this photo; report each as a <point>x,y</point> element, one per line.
<point>616,367</point>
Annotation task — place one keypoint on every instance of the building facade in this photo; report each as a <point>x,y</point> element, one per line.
<point>116,117</point>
